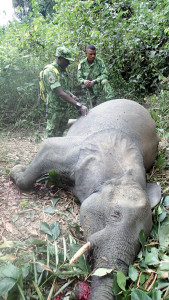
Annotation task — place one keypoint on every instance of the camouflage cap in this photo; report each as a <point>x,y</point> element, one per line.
<point>64,52</point>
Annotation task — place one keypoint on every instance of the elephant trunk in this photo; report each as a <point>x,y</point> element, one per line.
<point>117,255</point>
<point>102,288</point>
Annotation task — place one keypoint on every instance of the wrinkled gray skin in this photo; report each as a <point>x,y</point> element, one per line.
<point>106,155</point>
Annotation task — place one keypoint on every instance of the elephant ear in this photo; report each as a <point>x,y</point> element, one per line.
<point>154,193</point>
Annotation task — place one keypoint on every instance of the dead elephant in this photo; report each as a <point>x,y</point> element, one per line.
<point>106,154</point>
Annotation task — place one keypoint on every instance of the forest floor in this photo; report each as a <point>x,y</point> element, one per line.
<point>23,212</point>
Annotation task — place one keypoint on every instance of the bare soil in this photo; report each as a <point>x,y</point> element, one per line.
<point>23,212</point>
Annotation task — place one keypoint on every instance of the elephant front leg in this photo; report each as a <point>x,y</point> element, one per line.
<point>59,154</point>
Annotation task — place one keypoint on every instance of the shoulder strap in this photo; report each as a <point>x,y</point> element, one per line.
<point>53,68</point>
<point>42,90</point>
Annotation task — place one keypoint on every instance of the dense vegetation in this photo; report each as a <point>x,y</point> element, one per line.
<point>131,36</point>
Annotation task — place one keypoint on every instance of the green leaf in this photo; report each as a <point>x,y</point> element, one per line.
<point>162,284</point>
<point>139,295</point>
<point>164,266</point>
<point>133,274</point>
<point>6,285</point>
<point>142,238</point>
<point>142,278</point>
<point>162,215</point>
<point>166,201</point>
<point>45,228</point>
<point>10,271</point>
<point>151,259</point>
<point>116,288</point>
<point>49,210</point>
<point>121,280</point>
<point>54,201</point>
<point>164,236</point>
<point>55,230</point>
<point>156,295</point>
<point>102,272</point>
<point>25,270</point>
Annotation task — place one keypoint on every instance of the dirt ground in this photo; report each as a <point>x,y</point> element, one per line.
<point>23,212</point>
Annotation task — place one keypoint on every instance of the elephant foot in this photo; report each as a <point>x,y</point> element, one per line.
<point>16,174</point>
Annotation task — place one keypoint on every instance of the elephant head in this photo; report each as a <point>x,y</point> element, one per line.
<point>112,220</point>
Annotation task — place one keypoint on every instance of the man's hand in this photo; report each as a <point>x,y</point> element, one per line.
<point>84,110</point>
<point>88,83</point>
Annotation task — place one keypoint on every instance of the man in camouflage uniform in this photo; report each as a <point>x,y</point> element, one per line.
<point>93,76</point>
<point>57,83</point>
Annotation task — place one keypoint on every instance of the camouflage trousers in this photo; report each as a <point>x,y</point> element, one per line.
<point>57,120</point>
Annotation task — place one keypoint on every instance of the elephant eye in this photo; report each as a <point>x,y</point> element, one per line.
<point>116,214</point>
<point>121,262</point>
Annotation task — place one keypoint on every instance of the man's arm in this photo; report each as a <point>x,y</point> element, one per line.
<point>101,74</point>
<point>80,75</point>
<point>83,109</point>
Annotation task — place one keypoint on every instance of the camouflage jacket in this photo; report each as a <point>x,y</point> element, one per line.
<point>53,80</point>
<point>95,71</point>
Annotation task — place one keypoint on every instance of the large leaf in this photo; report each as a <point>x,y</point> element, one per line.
<point>139,295</point>
<point>156,295</point>
<point>6,285</point>
<point>162,214</point>
<point>54,201</point>
<point>55,230</point>
<point>164,266</point>
<point>49,210</point>
<point>121,280</point>
<point>10,271</point>
<point>142,238</point>
<point>133,274</point>
<point>162,284</point>
<point>116,288</point>
<point>45,228</point>
<point>164,236</point>
<point>166,201</point>
<point>151,259</point>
